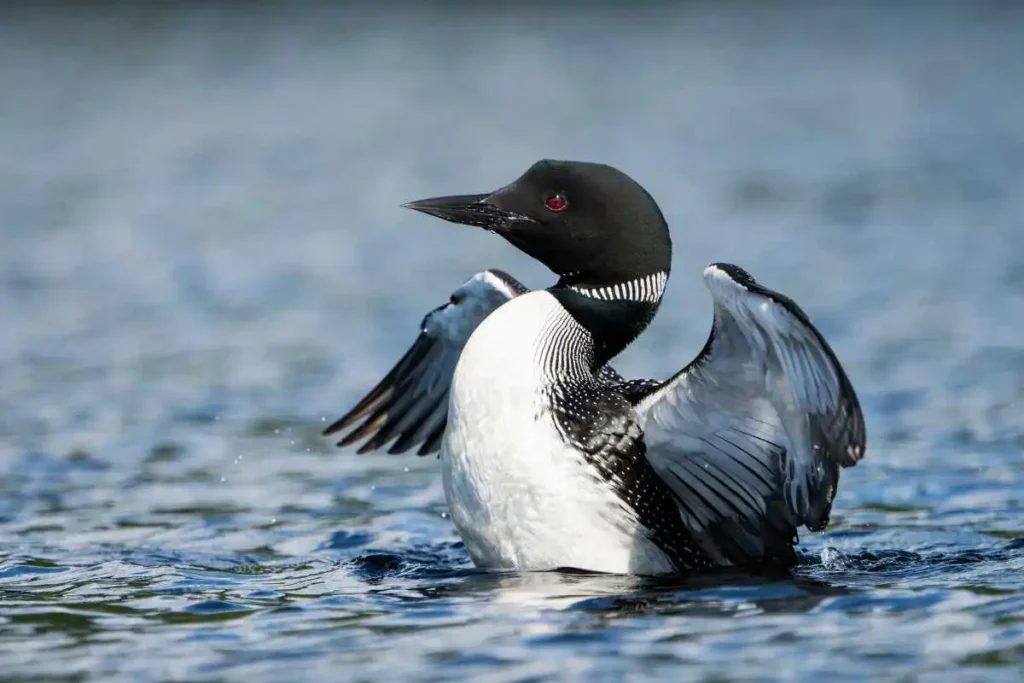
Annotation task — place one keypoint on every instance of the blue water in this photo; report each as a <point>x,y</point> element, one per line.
<point>202,258</point>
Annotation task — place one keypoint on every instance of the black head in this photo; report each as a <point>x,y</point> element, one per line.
<point>589,223</point>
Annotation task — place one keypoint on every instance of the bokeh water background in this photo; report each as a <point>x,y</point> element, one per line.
<point>202,258</point>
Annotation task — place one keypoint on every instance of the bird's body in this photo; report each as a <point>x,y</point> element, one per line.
<point>515,488</point>
<point>551,460</point>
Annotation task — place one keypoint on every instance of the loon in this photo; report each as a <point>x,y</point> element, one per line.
<point>552,460</point>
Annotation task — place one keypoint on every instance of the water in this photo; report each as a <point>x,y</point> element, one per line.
<point>202,258</point>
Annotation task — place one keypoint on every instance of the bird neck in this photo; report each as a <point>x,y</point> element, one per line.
<point>614,313</point>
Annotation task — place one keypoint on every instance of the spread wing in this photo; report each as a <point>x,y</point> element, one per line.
<point>410,405</point>
<point>751,435</point>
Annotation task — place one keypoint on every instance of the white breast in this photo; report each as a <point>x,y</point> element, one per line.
<point>520,497</point>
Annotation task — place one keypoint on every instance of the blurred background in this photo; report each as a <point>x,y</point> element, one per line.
<point>203,258</point>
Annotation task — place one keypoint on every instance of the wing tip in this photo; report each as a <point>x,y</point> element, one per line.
<point>854,454</point>
<point>339,424</point>
<point>366,405</point>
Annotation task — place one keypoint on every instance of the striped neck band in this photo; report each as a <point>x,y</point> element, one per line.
<point>646,289</point>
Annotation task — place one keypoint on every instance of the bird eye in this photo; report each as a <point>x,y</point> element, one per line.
<point>556,202</point>
<point>456,298</point>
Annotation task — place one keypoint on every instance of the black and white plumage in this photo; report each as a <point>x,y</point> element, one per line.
<point>551,459</point>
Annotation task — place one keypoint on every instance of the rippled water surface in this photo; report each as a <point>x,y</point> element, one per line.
<point>202,258</point>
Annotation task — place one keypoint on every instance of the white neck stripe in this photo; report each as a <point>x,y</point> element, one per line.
<point>648,289</point>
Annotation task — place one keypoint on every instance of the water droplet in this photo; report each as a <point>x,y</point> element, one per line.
<point>406,469</point>
<point>223,479</point>
<point>444,515</point>
<point>832,558</point>
<point>273,520</point>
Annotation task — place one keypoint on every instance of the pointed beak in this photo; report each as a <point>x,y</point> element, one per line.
<point>468,209</point>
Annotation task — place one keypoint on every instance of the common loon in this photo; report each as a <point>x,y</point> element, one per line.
<point>551,459</point>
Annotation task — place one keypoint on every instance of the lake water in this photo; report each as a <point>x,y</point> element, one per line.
<point>202,258</point>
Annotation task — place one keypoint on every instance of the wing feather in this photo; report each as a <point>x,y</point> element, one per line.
<point>410,405</point>
<point>751,435</point>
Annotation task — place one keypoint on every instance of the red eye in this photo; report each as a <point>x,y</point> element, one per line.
<point>556,202</point>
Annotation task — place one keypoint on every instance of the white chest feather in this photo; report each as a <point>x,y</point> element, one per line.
<point>520,497</point>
